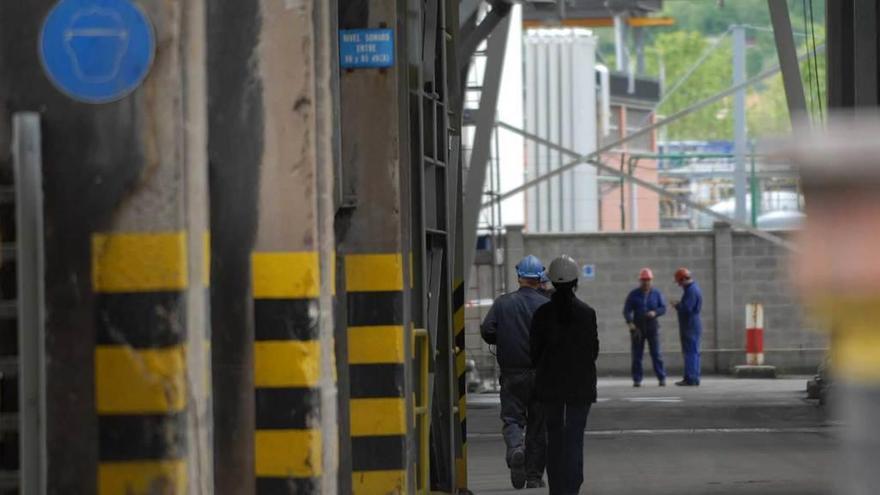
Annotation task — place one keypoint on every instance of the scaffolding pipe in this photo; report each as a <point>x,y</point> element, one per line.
<point>630,137</point>
<point>593,160</point>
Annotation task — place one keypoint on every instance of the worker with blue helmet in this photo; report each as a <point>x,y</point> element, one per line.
<point>506,326</point>
<point>530,267</point>
<point>546,288</point>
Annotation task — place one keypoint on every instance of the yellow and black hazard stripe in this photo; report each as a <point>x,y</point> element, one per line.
<point>287,353</point>
<point>377,354</point>
<point>461,474</point>
<point>139,280</point>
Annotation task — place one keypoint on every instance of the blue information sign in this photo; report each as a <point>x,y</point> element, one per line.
<point>589,271</point>
<point>97,51</point>
<point>366,48</point>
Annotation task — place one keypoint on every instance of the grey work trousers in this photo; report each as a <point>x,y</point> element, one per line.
<point>523,418</point>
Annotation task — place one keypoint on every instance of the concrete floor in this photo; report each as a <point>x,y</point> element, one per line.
<point>726,437</point>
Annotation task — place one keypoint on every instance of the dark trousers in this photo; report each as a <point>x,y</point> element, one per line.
<point>523,418</point>
<point>639,337</point>
<point>690,348</point>
<point>565,446</point>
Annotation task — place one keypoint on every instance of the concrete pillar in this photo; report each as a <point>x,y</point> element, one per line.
<point>236,118</point>
<point>514,250</point>
<point>376,243</point>
<point>725,336</point>
<point>125,223</point>
<point>293,262</point>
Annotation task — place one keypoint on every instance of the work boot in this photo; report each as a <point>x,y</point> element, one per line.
<point>637,384</point>
<point>518,477</point>
<point>516,460</point>
<point>516,457</point>
<point>538,483</point>
<point>684,383</point>
<point>663,382</point>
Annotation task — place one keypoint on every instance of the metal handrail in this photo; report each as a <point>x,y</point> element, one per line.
<point>421,417</point>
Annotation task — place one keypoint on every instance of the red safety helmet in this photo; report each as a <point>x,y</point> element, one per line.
<point>682,275</point>
<point>646,274</point>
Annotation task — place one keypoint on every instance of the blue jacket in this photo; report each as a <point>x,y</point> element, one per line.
<point>507,327</point>
<point>689,309</point>
<point>638,303</point>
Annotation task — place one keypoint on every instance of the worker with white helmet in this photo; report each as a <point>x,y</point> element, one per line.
<point>507,327</point>
<point>643,306</point>
<point>564,346</point>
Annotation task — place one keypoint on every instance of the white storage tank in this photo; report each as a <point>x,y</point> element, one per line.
<point>560,106</point>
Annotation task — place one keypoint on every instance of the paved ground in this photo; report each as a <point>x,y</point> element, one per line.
<point>726,437</point>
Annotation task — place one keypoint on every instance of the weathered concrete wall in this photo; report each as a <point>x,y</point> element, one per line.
<point>732,268</point>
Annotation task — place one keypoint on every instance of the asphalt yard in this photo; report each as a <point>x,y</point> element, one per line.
<point>727,436</point>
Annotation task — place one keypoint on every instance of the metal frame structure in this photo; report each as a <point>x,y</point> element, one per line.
<point>435,149</point>
<point>592,158</point>
<point>853,54</point>
<point>30,268</point>
<point>484,127</point>
<point>788,60</point>
<point>594,161</point>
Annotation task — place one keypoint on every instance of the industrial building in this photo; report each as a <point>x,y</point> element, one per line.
<point>246,244</point>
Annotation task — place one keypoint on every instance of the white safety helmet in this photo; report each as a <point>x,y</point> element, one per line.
<point>563,270</point>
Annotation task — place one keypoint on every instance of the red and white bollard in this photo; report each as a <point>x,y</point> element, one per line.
<point>754,334</point>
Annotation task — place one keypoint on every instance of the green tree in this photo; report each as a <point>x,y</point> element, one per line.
<point>676,52</point>
<point>713,18</point>
<point>698,24</point>
<point>767,110</point>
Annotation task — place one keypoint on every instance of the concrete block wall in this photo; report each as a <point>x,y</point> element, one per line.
<point>732,268</point>
<point>791,338</point>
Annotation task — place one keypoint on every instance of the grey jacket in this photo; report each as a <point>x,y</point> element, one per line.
<point>507,326</point>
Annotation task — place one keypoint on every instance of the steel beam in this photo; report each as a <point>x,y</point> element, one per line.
<point>865,52</point>
<point>841,69</point>
<point>468,9</point>
<point>739,121</point>
<point>476,170</point>
<point>486,27</point>
<point>593,160</point>
<point>30,267</point>
<point>788,61</point>
<point>635,134</point>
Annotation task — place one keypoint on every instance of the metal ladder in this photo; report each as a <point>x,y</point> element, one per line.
<point>22,363</point>
<point>9,363</point>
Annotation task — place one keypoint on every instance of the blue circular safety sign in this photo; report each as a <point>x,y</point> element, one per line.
<point>97,51</point>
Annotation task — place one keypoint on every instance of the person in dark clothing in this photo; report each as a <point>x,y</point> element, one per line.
<point>564,341</point>
<point>690,328</point>
<point>643,306</point>
<point>507,327</point>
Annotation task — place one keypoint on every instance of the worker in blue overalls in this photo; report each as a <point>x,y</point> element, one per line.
<point>643,306</point>
<point>689,326</point>
<point>506,326</point>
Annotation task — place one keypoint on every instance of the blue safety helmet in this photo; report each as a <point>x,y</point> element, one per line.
<point>530,267</point>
